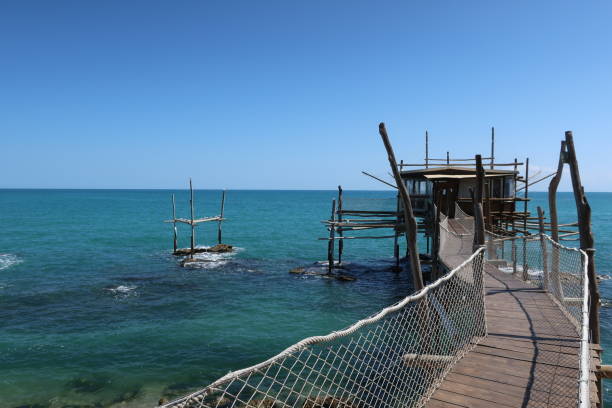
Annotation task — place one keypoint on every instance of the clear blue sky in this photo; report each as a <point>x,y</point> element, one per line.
<point>287,94</point>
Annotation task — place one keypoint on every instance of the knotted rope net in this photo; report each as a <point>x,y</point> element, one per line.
<point>395,358</point>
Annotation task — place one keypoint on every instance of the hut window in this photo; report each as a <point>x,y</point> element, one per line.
<point>509,187</point>
<point>497,187</point>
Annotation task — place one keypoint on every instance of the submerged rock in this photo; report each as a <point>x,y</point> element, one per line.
<point>217,249</point>
<point>86,385</point>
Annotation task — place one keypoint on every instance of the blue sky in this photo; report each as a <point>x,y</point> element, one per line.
<point>245,94</point>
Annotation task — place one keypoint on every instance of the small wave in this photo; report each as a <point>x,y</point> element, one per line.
<point>8,260</point>
<point>121,289</point>
<point>211,260</point>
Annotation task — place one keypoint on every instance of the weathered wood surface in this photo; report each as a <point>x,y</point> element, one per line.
<point>529,358</point>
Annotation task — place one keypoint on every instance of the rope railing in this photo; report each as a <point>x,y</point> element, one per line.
<point>395,358</point>
<point>562,272</point>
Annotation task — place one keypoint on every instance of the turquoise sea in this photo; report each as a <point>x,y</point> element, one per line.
<point>95,311</point>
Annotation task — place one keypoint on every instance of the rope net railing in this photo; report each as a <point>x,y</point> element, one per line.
<point>561,272</point>
<point>456,239</point>
<point>395,358</point>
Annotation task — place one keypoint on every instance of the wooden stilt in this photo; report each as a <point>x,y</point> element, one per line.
<point>447,157</point>
<point>221,215</point>
<point>409,220</point>
<point>192,218</point>
<point>175,240</point>
<point>340,233</point>
<point>396,254</point>
<point>330,244</point>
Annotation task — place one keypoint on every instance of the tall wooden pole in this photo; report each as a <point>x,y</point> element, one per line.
<point>192,218</point>
<point>330,244</point>
<point>492,147</point>
<point>340,233</point>
<point>426,149</point>
<point>587,243</point>
<point>479,223</point>
<point>221,216</point>
<point>175,240</point>
<point>409,220</point>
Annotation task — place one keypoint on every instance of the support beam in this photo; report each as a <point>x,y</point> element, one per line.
<point>221,219</point>
<point>340,233</point>
<point>330,244</point>
<point>410,221</point>
<point>192,216</point>
<point>175,240</point>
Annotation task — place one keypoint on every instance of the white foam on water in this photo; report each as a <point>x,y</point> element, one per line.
<point>212,260</point>
<point>121,289</point>
<point>8,260</point>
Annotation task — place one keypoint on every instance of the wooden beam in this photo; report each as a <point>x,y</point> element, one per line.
<point>192,215</point>
<point>341,243</point>
<point>330,244</point>
<point>221,217</point>
<point>411,225</point>
<point>175,240</point>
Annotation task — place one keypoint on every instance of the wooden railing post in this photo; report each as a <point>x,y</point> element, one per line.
<point>543,246</point>
<point>409,220</point>
<point>479,224</point>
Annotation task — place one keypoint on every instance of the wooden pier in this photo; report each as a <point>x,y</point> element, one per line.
<point>529,358</point>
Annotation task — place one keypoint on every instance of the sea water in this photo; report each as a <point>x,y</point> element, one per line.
<point>96,311</point>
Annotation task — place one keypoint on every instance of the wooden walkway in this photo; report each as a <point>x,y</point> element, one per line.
<point>529,358</point>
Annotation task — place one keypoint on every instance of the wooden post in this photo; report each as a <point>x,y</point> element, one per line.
<point>514,255</point>
<point>426,149</point>
<point>409,220</point>
<point>192,218</point>
<point>554,220</point>
<point>221,216</point>
<point>175,240</point>
<point>587,244</point>
<point>330,245</point>
<point>492,147</point>
<point>525,265</point>
<point>479,225</point>
<point>448,157</point>
<point>543,246</point>
<point>340,233</point>
<point>396,234</point>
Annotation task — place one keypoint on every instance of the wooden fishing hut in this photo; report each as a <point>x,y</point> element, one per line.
<point>193,222</point>
<point>442,187</point>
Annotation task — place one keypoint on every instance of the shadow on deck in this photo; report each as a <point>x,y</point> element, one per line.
<point>530,357</point>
